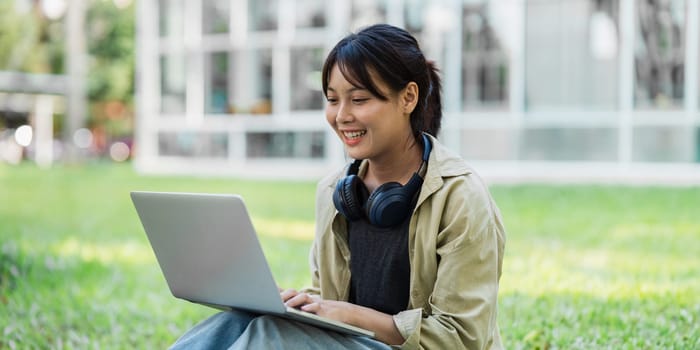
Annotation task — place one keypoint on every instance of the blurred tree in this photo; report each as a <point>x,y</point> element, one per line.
<point>31,42</point>
<point>110,40</point>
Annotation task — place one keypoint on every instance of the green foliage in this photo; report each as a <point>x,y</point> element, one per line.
<point>13,266</point>
<point>111,46</point>
<point>29,42</point>
<point>23,41</point>
<point>586,267</point>
<point>111,36</point>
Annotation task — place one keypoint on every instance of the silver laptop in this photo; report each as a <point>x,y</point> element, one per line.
<point>209,253</point>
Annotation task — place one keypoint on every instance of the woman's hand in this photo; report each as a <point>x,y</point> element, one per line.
<point>336,310</point>
<point>292,298</point>
<point>363,317</point>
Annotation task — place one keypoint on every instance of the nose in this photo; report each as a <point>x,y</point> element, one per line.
<point>343,113</point>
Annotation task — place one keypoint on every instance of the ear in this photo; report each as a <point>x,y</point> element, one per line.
<point>409,97</point>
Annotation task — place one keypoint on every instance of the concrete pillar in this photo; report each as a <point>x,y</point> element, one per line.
<point>76,69</point>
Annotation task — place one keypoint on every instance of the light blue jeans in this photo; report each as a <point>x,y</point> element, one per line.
<point>242,330</point>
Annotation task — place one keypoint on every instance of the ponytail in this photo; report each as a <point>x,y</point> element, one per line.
<point>429,118</point>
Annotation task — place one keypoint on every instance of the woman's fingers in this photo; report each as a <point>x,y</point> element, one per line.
<point>288,294</point>
<point>300,299</point>
<point>313,307</point>
<point>293,298</point>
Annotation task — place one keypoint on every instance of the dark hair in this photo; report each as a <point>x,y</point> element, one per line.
<point>396,58</point>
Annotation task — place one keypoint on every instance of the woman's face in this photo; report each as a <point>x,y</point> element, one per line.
<point>369,127</point>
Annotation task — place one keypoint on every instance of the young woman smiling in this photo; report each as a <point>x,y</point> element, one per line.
<point>409,243</point>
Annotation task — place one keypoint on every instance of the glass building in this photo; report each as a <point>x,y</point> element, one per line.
<point>532,88</point>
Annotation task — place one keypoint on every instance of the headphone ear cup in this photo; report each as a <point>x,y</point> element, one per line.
<point>388,205</point>
<point>349,197</point>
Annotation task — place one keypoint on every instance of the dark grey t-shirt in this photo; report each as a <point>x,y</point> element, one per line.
<point>379,266</point>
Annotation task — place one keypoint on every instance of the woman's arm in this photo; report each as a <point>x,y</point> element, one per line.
<point>380,323</point>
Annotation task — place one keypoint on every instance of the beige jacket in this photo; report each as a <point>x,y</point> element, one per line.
<point>456,243</point>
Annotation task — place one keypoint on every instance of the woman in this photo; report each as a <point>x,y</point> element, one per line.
<point>409,243</point>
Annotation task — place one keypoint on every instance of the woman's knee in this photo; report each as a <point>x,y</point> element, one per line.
<point>233,318</point>
<point>273,325</point>
<point>266,321</point>
<point>218,331</point>
<point>223,322</point>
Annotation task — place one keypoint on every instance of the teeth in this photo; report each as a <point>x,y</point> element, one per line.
<point>354,134</point>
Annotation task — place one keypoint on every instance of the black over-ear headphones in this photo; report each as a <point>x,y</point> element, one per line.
<point>389,204</point>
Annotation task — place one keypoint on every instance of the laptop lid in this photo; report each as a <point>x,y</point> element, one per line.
<point>193,234</point>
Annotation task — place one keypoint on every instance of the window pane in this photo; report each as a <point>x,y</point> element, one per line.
<point>310,14</point>
<point>262,15</point>
<point>216,84</point>
<point>663,144</point>
<point>192,144</point>
<point>414,15</point>
<point>569,144</point>
<point>484,61</point>
<point>306,87</point>
<point>170,18</point>
<point>285,144</point>
<point>172,83</point>
<point>367,12</point>
<point>697,145</point>
<point>488,144</point>
<point>659,54</point>
<point>571,54</point>
<point>215,15</point>
<point>251,74</point>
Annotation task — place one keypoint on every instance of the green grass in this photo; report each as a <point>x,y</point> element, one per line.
<point>586,266</point>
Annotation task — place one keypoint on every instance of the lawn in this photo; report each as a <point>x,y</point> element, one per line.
<point>586,267</point>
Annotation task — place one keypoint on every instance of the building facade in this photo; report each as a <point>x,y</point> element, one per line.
<point>532,89</point>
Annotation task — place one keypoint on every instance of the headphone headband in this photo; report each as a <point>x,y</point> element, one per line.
<point>427,147</point>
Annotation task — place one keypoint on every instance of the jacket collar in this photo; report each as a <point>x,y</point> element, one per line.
<point>443,163</point>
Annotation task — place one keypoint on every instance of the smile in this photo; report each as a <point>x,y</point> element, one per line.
<point>354,134</point>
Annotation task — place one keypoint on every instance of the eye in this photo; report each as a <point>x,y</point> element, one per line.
<point>359,100</point>
<point>332,100</point>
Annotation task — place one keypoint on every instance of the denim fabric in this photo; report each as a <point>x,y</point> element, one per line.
<point>242,330</point>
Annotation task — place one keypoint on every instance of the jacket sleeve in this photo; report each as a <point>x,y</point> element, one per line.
<point>315,287</point>
<point>461,309</point>
<point>313,264</point>
<point>323,216</point>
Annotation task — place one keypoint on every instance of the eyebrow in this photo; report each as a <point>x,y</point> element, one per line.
<point>353,89</point>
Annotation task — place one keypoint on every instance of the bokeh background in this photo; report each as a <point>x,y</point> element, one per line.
<point>582,115</point>
<point>579,89</point>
